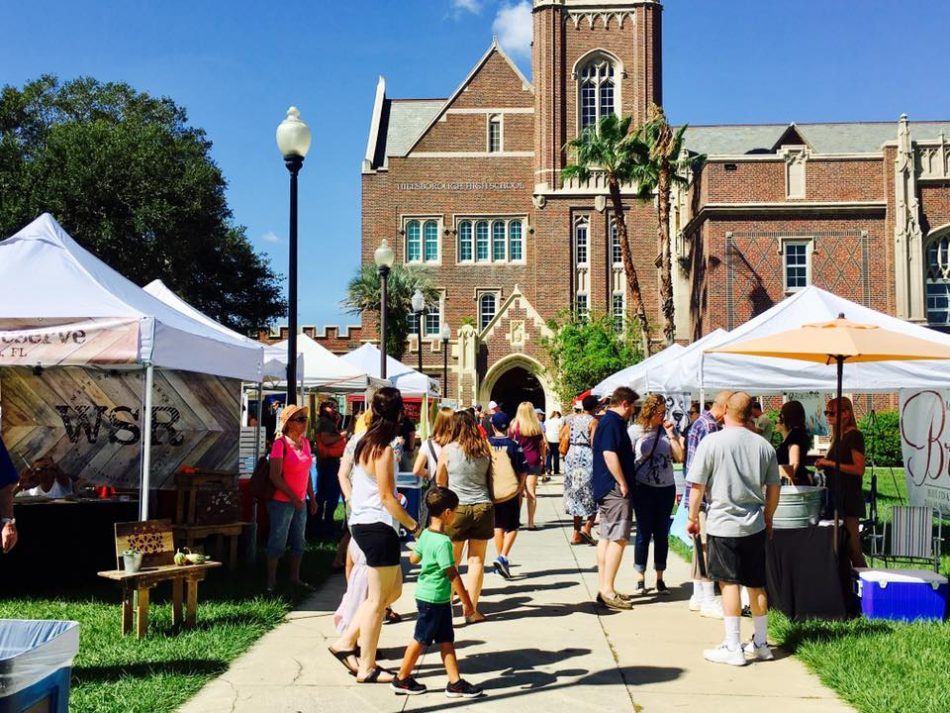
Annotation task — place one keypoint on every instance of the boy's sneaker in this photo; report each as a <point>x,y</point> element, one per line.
<point>696,602</point>
<point>501,566</point>
<point>462,689</point>
<point>712,609</point>
<point>407,686</point>
<point>723,654</point>
<point>761,652</point>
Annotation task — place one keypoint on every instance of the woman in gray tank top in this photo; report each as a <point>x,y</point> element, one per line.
<point>464,467</point>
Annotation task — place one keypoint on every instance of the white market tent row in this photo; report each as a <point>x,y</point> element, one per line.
<point>762,375</point>
<point>321,368</point>
<point>636,376</point>
<point>62,306</point>
<point>405,378</point>
<point>672,376</point>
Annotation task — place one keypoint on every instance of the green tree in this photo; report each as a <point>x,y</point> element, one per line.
<point>363,297</point>
<point>584,352</point>
<point>610,147</point>
<point>134,183</point>
<point>662,164</point>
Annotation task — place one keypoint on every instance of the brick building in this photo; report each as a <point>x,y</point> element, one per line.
<point>470,187</point>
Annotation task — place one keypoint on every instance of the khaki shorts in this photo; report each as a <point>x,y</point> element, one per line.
<point>472,522</point>
<point>615,516</point>
<point>702,536</point>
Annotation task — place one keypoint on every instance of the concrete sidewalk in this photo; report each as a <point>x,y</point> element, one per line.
<point>545,647</point>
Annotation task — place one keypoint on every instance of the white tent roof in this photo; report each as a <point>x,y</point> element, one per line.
<point>322,369</point>
<point>671,377</point>
<point>404,378</point>
<point>48,282</point>
<point>633,376</point>
<point>810,305</point>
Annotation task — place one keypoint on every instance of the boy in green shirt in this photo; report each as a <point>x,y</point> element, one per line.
<point>437,578</point>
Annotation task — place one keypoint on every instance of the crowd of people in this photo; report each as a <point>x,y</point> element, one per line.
<point>482,471</point>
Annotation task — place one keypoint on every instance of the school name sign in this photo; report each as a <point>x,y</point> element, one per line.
<point>479,186</point>
<point>925,446</point>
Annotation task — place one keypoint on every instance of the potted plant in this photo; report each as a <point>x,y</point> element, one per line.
<point>132,558</point>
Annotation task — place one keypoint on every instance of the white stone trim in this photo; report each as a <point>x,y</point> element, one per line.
<point>809,243</point>
<point>493,110</point>
<point>373,139</point>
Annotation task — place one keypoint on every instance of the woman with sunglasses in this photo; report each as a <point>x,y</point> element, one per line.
<point>848,442</point>
<point>290,461</point>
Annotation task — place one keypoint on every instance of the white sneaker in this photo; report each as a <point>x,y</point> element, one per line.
<point>723,654</point>
<point>761,652</point>
<point>696,602</point>
<point>712,609</point>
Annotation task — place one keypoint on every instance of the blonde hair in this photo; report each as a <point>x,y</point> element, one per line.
<point>442,428</point>
<point>526,421</point>
<point>652,405</point>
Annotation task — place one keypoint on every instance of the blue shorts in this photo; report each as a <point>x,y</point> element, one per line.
<point>434,623</point>
<point>287,528</point>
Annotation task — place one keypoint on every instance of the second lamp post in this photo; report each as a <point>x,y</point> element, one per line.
<point>419,307</point>
<point>384,258</point>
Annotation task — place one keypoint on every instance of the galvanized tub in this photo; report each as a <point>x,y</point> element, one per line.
<point>798,506</point>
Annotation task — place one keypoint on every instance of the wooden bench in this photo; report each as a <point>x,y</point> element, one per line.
<point>208,505</point>
<point>153,538</point>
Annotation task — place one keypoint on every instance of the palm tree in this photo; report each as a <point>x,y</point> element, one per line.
<point>666,165</point>
<point>610,147</point>
<point>363,297</point>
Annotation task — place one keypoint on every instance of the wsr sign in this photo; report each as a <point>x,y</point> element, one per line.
<point>121,424</point>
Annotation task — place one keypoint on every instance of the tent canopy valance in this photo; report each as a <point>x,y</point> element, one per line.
<point>405,378</point>
<point>636,376</point>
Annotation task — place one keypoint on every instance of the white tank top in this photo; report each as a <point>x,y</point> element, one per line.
<point>367,508</point>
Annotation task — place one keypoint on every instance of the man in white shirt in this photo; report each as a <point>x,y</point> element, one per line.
<point>552,434</point>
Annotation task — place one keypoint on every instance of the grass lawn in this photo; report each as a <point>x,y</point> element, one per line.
<point>876,666</point>
<point>159,673</point>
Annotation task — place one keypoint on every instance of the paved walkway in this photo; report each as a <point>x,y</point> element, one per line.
<point>545,647</point>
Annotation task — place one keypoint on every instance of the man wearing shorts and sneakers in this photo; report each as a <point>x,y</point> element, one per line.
<point>733,467</point>
<point>613,473</point>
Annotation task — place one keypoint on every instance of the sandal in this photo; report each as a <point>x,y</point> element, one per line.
<point>342,657</point>
<point>392,617</point>
<point>588,538</point>
<point>373,676</point>
<point>579,541</point>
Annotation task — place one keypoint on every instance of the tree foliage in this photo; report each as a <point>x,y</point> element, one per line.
<point>134,183</point>
<point>584,352</point>
<point>882,438</point>
<point>363,297</point>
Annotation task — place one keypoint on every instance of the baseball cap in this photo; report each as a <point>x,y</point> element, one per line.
<point>492,405</point>
<point>539,411</point>
<point>500,420</point>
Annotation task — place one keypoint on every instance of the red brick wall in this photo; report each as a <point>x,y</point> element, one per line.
<point>338,340</point>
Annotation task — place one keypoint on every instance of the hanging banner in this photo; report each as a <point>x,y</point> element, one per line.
<point>92,341</point>
<point>925,440</point>
<point>90,422</point>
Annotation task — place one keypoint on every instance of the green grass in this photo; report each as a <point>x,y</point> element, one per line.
<point>119,673</point>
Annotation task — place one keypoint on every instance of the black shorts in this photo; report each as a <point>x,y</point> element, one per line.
<point>534,469</point>
<point>379,543</point>
<point>508,515</point>
<point>739,560</point>
<point>434,623</point>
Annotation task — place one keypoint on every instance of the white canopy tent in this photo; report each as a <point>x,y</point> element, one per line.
<point>322,369</point>
<point>762,375</point>
<point>633,376</point>
<point>668,377</point>
<point>405,378</point>
<point>62,306</point>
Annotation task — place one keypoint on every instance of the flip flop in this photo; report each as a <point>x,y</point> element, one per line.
<point>373,676</point>
<point>392,617</point>
<point>586,537</point>
<point>342,656</point>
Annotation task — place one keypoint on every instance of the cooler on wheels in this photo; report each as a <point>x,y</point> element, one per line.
<point>36,659</point>
<point>902,594</point>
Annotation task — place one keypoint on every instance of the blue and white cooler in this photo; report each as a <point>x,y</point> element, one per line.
<point>902,594</point>
<point>413,489</point>
<point>36,659</point>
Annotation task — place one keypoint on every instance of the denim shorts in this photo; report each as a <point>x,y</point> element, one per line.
<point>434,623</point>
<point>287,528</point>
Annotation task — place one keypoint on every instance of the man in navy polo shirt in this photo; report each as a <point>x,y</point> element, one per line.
<point>612,481</point>
<point>8,481</point>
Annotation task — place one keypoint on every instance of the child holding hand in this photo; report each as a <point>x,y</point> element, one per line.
<point>437,578</point>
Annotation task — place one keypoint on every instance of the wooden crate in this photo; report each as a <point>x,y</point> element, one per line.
<point>207,498</point>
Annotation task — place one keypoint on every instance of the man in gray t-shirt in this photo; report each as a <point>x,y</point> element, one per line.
<point>738,471</point>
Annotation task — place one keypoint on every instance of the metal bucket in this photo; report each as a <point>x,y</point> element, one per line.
<point>798,506</point>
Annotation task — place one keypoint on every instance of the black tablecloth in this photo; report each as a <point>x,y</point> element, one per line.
<point>62,543</point>
<point>805,579</point>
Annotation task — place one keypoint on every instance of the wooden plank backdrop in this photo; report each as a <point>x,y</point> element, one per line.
<point>90,422</point>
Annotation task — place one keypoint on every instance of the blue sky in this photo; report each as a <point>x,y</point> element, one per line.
<point>237,66</point>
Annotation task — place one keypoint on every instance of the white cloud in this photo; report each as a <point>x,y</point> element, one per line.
<point>472,6</point>
<point>270,237</point>
<point>513,28</point>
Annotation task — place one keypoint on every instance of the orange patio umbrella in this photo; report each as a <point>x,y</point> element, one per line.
<point>835,342</point>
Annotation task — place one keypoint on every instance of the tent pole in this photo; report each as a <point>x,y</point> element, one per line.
<point>837,495</point>
<point>250,554</point>
<point>146,444</point>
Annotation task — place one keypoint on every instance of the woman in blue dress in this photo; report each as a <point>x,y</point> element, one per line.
<point>578,471</point>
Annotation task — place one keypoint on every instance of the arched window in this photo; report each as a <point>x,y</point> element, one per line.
<point>431,234</point>
<point>465,241</point>
<point>494,133</point>
<point>413,242</point>
<point>487,307</point>
<point>515,246</point>
<point>498,241</point>
<point>938,282</point>
<point>580,242</point>
<point>481,241</point>
<point>596,83</point>
<point>616,254</point>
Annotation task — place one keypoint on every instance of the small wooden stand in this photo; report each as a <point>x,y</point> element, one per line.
<point>208,505</point>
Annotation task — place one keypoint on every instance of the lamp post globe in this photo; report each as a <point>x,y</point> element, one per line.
<point>446,334</point>
<point>293,142</point>
<point>384,258</point>
<point>419,307</point>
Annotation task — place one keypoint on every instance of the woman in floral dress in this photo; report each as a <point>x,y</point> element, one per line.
<point>578,470</point>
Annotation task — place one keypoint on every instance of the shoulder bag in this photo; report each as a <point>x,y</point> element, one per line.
<point>503,477</point>
<point>261,486</point>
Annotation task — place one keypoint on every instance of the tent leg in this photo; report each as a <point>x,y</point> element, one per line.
<point>837,495</point>
<point>146,444</point>
<point>250,553</point>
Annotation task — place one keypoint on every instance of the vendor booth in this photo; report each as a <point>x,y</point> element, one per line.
<point>637,375</point>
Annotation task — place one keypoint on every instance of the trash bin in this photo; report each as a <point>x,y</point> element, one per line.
<point>36,659</point>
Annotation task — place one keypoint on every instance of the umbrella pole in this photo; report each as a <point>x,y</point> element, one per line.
<point>837,494</point>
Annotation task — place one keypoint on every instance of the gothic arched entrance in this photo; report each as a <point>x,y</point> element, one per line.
<point>517,385</point>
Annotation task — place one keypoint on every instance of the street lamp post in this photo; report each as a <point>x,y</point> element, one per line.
<point>293,141</point>
<point>419,307</point>
<point>446,333</point>
<point>384,258</point>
